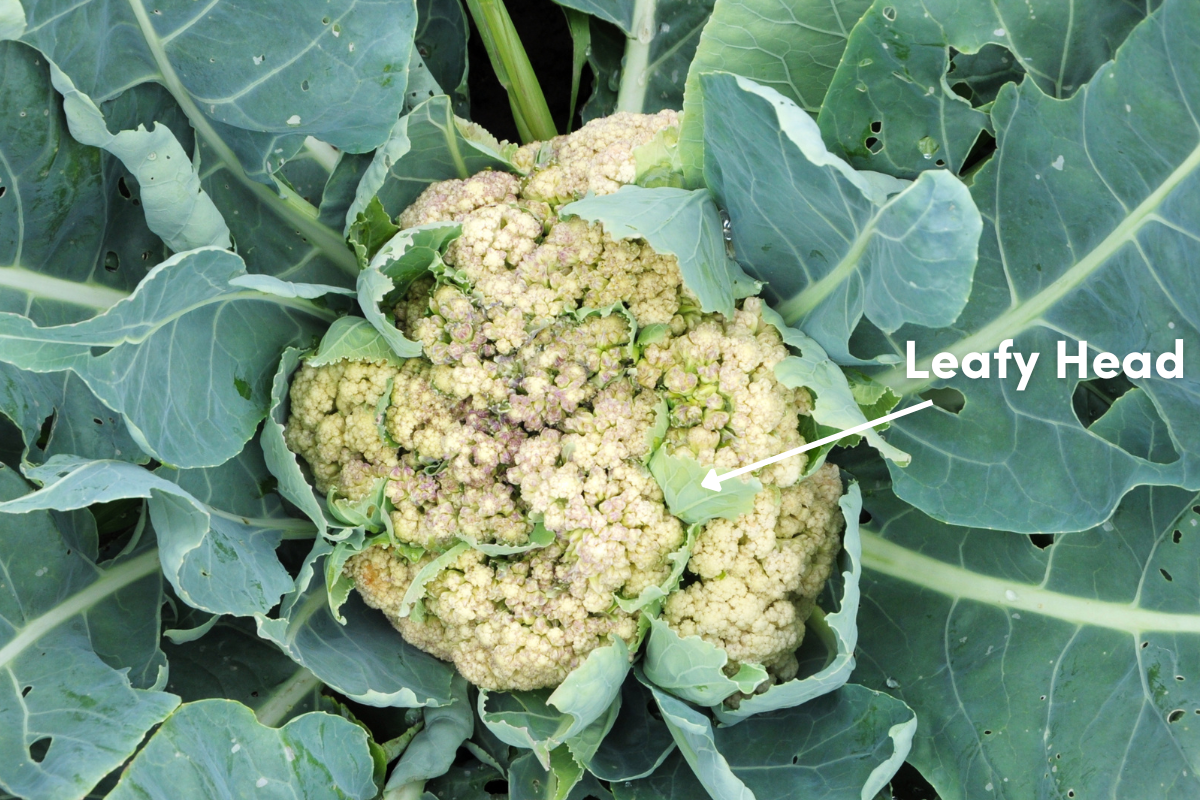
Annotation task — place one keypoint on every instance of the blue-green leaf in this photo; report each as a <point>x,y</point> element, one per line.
<point>693,669</point>
<point>150,356</point>
<point>59,611</point>
<point>217,748</point>
<point>363,658</point>
<point>675,222</point>
<point>427,145</point>
<point>834,244</point>
<point>353,338</point>
<point>680,477</point>
<point>432,751</point>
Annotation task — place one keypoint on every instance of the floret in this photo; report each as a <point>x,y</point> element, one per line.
<point>534,408</point>
<point>759,575</point>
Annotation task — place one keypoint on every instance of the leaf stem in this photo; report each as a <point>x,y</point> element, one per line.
<point>511,65</point>
<point>286,697</point>
<point>285,203</point>
<point>632,94</point>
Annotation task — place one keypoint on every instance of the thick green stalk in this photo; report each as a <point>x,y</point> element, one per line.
<point>513,70</point>
<point>632,94</point>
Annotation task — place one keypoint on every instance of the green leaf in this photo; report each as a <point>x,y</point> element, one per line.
<point>428,145</point>
<point>693,735</point>
<point>894,84</point>
<point>578,714</point>
<point>693,669</point>
<point>606,50</point>
<point>1008,652</point>
<point>841,626</point>
<point>441,38</point>
<point>431,752</point>
<point>231,662</point>
<point>1067,254</point>
<point>656,592</point>
<point>155,363</point>
<point>354,339</point>
<point>407,256</point>
<point>792,47</point>
<point>176,208</point>
<point>416,590</point>
<point>835,407</point>
<point>363,658</point>
<point>282,463</point>
<point>211,746</point>
<point>846,744</point>
<point>637,744</point>
<point>675,222</point>
<point>833,244</point>
<point>304,79</point>
<point>52,184</point>
<point>93,622</point>
<point>680,477</point>
<point>538,537</point>
<point>192,535</point>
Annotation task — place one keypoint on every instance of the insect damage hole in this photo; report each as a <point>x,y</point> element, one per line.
<point>873,144</point>
<point>1175,715</point>
<point>1166,574</point>
<point>946,399</point>
<point>38,750</point>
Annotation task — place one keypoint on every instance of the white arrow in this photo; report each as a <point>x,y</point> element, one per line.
<point>712,481</point>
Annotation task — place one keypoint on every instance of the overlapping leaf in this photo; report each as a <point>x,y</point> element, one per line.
<point>1066,671</point>
<point>68,630</point>
<point>1089,226</point>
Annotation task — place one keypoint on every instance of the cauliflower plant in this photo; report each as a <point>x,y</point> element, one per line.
<point>526,427</point>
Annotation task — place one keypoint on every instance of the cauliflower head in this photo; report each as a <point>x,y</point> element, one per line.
<point>525,430</point>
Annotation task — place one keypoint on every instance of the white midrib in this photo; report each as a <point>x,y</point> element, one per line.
<point>88,295</point>
<point>631,96</point>
<point>292,209</point>
<point>795,309</point>
<point>286,697</point>
<point>888,558</point>
<point>110,582</point>
<point>1020,317</point>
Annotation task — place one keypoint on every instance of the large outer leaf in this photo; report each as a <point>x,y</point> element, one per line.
<point>186,402</point>
<point>215,748</point>
<point>67,629</point>
<point>363,658</point>
<point>425,146</point>
<point>441,41</point>
<point>832,243</point>
<point>893,86</point>
<point>1089,204</point>
<point>847,744</point>
<point>216,560</point>
<point>334,70</point>
<point>792,47</point>
<point>1064,672</point>
<point>661,38</point>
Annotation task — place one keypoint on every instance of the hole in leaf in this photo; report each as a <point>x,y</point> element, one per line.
<point>99,350</point>
<point>3,189</point>
<point>37,750</point>
<point>123,188</point>
<point>864,517</point>
<point>47,428</point>
<point>946,399</point>
<point>1070,792</point>
<point>1175,537</point>
<point>304,86</point>
<point>1041,540</point>
<point>1166,574</point>
<point>795,759</point>
<point>987,733</point>
<point>873,144</point>
<point>941,162</point>
<point>1175,715</point>
<point>1093,398</point>
<point>1179,678</point>
<point>111,261</point>
<point>876,126</point>
<point>97,420</point>
<point>1145,645</point>
<point>25,692</point>
<point>497,786</point>
<point>889,13</point>
<point>981,151</point>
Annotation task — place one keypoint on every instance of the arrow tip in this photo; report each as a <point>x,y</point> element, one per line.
<point>711,481</point>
